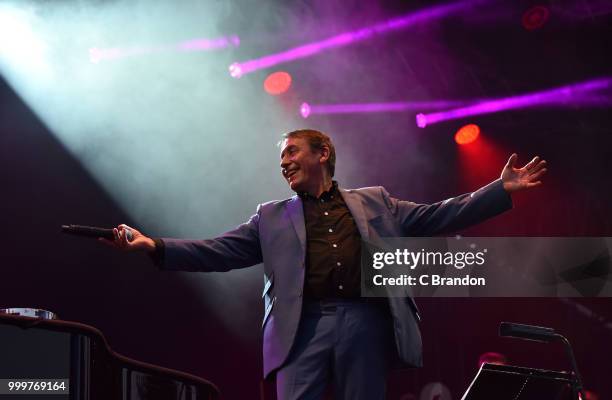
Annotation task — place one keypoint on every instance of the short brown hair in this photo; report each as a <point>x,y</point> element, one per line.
<point>317,140</point>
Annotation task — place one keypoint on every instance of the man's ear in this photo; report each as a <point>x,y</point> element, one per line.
<point>324,154</point>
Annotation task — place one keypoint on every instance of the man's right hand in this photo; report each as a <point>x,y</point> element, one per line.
<point>138,241</point>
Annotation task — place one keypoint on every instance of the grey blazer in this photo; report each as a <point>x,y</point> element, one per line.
<point>276,236</point>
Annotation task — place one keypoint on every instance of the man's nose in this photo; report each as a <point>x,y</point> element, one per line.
<point>284,163</point>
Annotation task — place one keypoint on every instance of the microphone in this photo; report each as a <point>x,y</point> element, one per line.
<point>93,232</point>
<point>529,332</point>
<point>545,335</point>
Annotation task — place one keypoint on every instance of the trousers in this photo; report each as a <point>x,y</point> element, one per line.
<point>345,343</point>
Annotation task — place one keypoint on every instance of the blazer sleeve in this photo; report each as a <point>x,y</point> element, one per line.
<point>449,215</point>
<point>238,248</point>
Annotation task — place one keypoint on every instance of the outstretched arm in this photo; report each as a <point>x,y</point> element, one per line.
<point>237,248</point>
<point>451,214</point>
<point>469,209</point>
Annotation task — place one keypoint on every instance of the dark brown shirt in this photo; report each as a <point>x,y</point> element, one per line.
<point>333,247</point>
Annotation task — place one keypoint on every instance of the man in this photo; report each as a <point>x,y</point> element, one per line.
<point>317,328</point>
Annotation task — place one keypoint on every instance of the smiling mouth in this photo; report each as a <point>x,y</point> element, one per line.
<point>291,173</point>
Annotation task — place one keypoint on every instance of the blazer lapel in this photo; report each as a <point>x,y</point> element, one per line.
<point>355,205</point>
<point>296,213</point>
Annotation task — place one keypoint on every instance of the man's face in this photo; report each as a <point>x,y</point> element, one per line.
<point>302,168</point>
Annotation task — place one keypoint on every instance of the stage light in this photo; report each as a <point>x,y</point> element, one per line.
<point>475,160</point>
<point>421,120</point>
<point>535,17</point>
<point>235,70</point>
<point>492,358</point>
<point>277,83</point>
<point>88,107</point>
<point>305,110</point>
<point>96,55</point>
<point>199,44</point>
<point>399,106</point>
<point>589,93</point>
<point>20,46</point>
<point>467,134</point>
<point>346,38</point>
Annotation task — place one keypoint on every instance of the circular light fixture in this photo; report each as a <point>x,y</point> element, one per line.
<point>467,134</point>
<point>535,17</point>
<point>235,70</point>
<point>277,83</point>
<point>421,120</point>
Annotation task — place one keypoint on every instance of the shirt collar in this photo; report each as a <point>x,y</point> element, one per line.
<point>327,195</point>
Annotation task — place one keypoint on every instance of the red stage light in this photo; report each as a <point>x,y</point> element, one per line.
<point>535,17</point>
<point>467,134</point>
<point>492,358</point>
<point>277,83</point>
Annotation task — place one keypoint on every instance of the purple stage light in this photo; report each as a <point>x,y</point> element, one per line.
<point>421,120</point>
<point>346,38</point>
<point>209,44</point>
<point>570,95</point>
<point>305,110</point>
<point>96,55</point>
<point>235,70</point>
<point>376,107</point>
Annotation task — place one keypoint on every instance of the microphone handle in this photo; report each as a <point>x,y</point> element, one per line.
<point>91,231</point>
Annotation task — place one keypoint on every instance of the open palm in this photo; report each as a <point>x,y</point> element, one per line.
<point>515,179</point>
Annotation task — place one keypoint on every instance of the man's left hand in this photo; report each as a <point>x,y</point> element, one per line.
<point>515,179</point>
